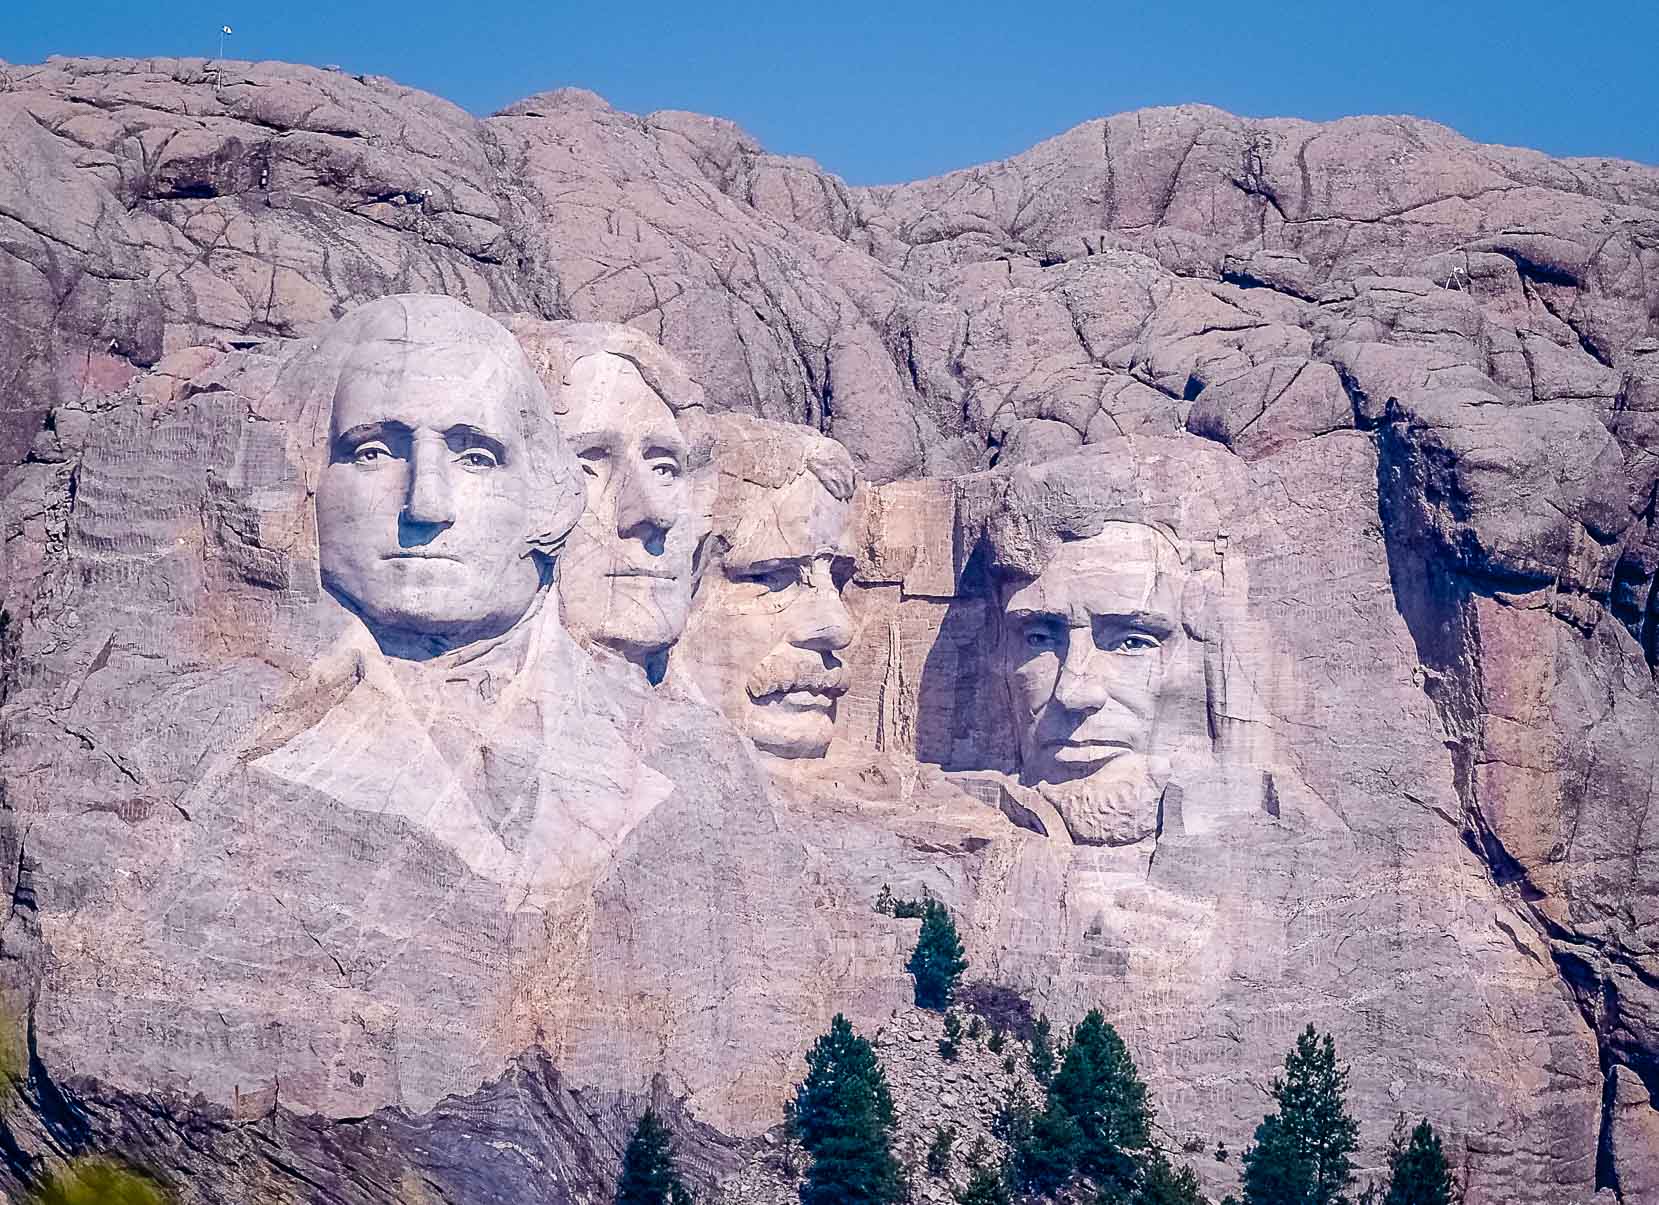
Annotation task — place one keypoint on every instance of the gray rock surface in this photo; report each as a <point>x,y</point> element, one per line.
<point>1404,382</point>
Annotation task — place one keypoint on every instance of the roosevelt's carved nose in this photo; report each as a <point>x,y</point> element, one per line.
<point>825,625</point>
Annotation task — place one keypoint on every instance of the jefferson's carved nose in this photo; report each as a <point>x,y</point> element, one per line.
<point>642,512</point>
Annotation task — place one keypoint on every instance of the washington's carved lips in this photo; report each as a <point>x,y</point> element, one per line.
<point>411,555</point>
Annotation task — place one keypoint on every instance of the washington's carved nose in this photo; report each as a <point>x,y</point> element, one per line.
<point>431,498</point>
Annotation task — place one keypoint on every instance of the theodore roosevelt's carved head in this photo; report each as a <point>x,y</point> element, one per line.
<point>446,490</point>
<point>768,624</point>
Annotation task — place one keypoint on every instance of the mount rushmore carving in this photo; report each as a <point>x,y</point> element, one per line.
<point>1212,557</point>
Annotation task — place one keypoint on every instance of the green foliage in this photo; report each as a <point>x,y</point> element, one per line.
<point>1301,1154</point>
<point>1045,1157</point>
<point>843,1115</point>
<point>976,1027</point>
<point>951,1043</point>
<point>1012,1120</point>
<point>1162,1183</point>
<point>97,1182</point>
<point>937,962</point>
<point>985,1187</point>
<point>939,1151</point>
<point>1417,1169</point>
<point>884,901</point>
<point>996,1041</point>
<point>1008,1063</point>
<point>1042,1050</point>
<point>648,1175</point>
<point>1098,1086</point>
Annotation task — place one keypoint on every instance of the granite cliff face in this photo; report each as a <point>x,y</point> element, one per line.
<point>1332,439</point>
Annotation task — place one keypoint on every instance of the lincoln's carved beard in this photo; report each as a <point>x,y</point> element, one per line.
<point>1116,805</point>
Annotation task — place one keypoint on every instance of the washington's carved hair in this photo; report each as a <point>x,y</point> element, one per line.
<point>425,323</point>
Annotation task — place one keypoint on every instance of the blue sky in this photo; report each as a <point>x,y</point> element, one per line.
<point>881,93</point>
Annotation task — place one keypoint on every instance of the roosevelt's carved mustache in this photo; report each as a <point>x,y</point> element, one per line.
<point>777,676</point>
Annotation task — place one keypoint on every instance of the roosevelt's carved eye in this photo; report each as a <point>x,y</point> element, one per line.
<point>591,459</point>
<point>371,452</point>
<point>774,578</point>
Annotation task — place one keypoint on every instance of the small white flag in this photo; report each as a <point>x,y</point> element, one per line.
<point>227,29</point>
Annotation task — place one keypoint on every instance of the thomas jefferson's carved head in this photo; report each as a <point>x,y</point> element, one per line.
<point>768,624</point>
<point>446,490</point>
<point>634,419</point>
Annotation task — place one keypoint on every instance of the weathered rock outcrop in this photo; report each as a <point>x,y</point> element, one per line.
<point>1364,405</point>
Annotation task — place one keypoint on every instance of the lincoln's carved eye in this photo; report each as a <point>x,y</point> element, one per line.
<point>1136,643</point>
<point>370,453</point>
<point>478,459</point>
<point>1041,637</point>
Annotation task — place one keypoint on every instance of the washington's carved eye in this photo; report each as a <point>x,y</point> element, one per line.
<point>370,453</point>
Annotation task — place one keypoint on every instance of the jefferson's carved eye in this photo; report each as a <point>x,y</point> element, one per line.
<point>1135,644</point>
<point>370,453</point>
<point>665,469</point>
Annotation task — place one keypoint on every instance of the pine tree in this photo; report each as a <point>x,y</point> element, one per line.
<point>985,1187</point>
<point>1098,1086</point>
<point>937,962</point>
<point>843,1115</point>
<point>1417,1170</point>
<point>1301,1153</point>
<point>648,1176</point>
<point>1046,1155</point>
<point>1162,1183</point>
<point>1042,1051</point>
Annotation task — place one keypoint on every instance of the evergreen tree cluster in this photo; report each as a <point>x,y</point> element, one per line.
<point>843,1115</point>
<point>648,1173</point>
<point>1095,1124</point>
<point>1302,1153</point>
